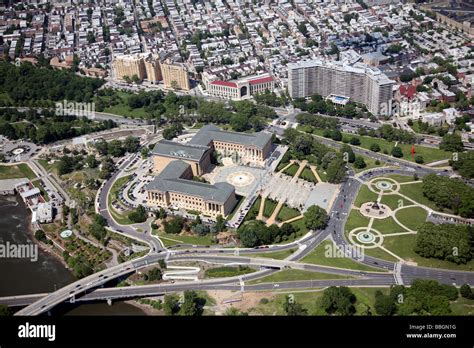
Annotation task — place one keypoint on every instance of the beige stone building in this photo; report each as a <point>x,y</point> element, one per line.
<point>129,66</point>
<point>176,164</point>
<point>175,76</point>
<point>153,69</point>
<point>197,156</point>
<point>174,188</point>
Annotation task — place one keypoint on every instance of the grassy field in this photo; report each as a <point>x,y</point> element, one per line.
<point>394,201</point>
<point>403,246</point>
<point>291,170</point>
<point>122,108</point>
<point>307,174</point>
<point>380,254</point>
<point>355,220</point>
<point>365,298</point>
<point>227,271</point>
<point>412,217</point>
<point>318,257</point>
<point>277,255</point>
<point>429,154</point>
<point>16,171</point>
<point>269,207</point>
<point>415,192</point>
<point>387,225</point>
<point>113,195</point>
<point>365,195</point>
<point>173,239</point>
<point>400,178</point>
<point>370,164</point>
<point>295,274</point>
<point>287,213</point>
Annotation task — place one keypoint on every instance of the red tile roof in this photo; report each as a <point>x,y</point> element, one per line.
<point>224,83</point>
<point>261,80</point>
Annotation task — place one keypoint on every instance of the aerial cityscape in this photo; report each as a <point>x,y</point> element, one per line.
<point>237,158</point>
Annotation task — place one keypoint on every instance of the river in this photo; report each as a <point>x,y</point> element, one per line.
<point>22,276</point>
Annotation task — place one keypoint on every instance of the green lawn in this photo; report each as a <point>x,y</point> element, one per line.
<point>401,178</point>
<point>16,171</point>
<point>387,225</point>
<point>403,247</point>
<point>113,195</point>
<point>463,306</point>
<point>394,201</point>
<point>320,256</point>
<point>412,217</point>
<point>269,207</point>
<point>322,174</point>
<point>355,220</point>
<point>277,255</point>
<point>429,154</point>
<point>287,213</point>
<point>173,239</point>
<point>300,227</point>
<point>380,254</point>
<point>415,192</point>
<point>370,164</point>
<point>122,107</point>
<point>365,298</point>
<point>295,274</point>
<point>291,170</point>
<point>365,195</point>
<point>227,271</point>
<point>47,166</point>
<point>307,174</point>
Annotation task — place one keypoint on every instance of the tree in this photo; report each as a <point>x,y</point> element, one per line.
<point>338,300</point>
<point>397,152</point>
<point>315,218</point>
<point>139,215</point>
<point>375,147</point>
<point>220,223</point>
<point>348,153</point>
<point>5,311</point>
<point>234,312</point>
<point>170,305</point>
<point>384,305</point>
<point>452,143</point>
<point>419,159</point>
<point>466,291</point>
<point>174,226</point>
<point>359,162</point>
<point>292,308</point>
<point>336,171</point>
<point>40,235</point>
<point>446,242</point>
<point>354,141</point>
<point>191,305</point>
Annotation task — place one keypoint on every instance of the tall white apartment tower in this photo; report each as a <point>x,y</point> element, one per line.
<point>359,82</point>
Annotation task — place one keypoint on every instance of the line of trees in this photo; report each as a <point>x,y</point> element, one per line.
<point>449,193</point>
<point>454,243</point>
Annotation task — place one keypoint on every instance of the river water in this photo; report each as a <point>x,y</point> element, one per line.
<point>23,276</point>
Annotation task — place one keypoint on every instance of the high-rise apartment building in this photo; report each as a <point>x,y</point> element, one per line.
<point>175,76</point>
<point>358,82</point>
<point>129,65</point>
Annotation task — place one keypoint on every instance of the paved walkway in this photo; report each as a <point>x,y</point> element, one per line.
<point>300,169</point>
<point>271,220</point>
<point>315,172</point>
<point>261,208</point>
